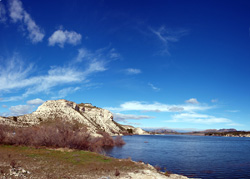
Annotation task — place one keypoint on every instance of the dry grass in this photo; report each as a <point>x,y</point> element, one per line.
<point>50,163</point>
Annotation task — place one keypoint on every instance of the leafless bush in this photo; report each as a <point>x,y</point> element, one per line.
<point>119,141</point>
<point>2,135</point>
<point>58,134</point>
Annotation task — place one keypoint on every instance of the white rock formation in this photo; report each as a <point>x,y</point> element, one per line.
<point>137,131</point>
<point>93,117</point>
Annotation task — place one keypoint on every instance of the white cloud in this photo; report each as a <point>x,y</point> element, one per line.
<point>192,101</point>
<point>18,14</point>
<point>234,124</point>
<point>36,101</point>
<point>214,100</point>
<point>102,54</point>
<point>20,110</point>
<point>126,117</point>
<point>123,117</point>
<point>4,106</point>
<point>2,13</point>
<point>132,71</point>
<point>96,66</point>
<point>61,37</point>
<point>168,35</point>
<point>16,76</point>
<point>198,118</point>
<point>16,10</point>
<point>157,107</point>
<point>83,54</point>
<point>154,87</point>
<point>113,54</point>
<point>65,92</point>
<point>185,113</point>
<point>233,111</point>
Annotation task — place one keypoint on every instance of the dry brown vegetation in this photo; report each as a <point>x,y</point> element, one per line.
<point>57,134</point>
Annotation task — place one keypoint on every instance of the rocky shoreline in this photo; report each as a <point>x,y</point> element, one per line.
<point>28,162</point>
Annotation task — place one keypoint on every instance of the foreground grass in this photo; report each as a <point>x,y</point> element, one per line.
<point>62,163</point>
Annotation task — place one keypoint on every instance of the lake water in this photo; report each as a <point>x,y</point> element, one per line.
<point>192,156</point>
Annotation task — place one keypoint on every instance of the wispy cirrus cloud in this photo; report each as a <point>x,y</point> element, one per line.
<point>132,71</point>
<point>103,54</point>
<point>154,87</point>
<point>61,37</point>
<point>16,76</point>
<point>167,36</point>
<point>65,91</point>
<point>19,15</point>
<point>2,13</point>
<point>214,100</point>
<point>233,111</point>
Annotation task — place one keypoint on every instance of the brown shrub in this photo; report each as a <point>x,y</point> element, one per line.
<point>58,134</point>
<point>119,141</point>
<point>2,135</point>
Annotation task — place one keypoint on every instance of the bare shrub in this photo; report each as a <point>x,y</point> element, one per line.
<point>119,141</point>
<point>58,134</point>
<point>2,134</point>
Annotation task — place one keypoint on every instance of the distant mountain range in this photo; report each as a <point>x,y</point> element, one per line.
<point>169,131</point>
<point>161,131</point>
<point>220,130</point>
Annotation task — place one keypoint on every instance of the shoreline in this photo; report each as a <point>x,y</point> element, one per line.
<point>30,162</point>
<point>203,134</point>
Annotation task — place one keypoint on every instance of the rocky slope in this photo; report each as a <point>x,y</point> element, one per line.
<point>93,117</point>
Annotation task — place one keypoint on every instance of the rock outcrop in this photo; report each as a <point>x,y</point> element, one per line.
<point>133,130</point>
<point>94,118</point>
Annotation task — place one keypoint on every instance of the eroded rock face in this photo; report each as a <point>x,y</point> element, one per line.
<point>94,118</point>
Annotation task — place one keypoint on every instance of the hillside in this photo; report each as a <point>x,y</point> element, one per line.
<point>94,118</point>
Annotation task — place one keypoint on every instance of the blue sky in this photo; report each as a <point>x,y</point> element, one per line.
<point>173,64</point>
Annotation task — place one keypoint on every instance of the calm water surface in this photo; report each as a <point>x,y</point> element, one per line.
<point>193,156</point>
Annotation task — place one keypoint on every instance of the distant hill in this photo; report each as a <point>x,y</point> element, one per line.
<point>220,130</point>
<point>161,131</point>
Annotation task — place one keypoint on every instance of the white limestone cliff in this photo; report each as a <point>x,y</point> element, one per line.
<point>94,118</point>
